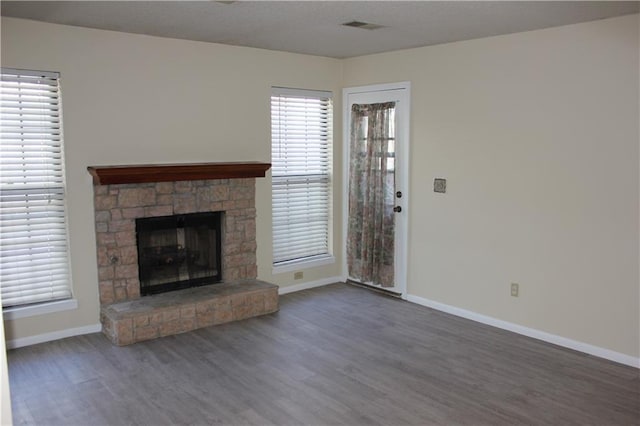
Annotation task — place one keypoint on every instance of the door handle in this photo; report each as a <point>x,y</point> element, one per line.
<point>397,209</point>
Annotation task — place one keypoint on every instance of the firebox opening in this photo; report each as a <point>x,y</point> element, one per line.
<point>180,251</point>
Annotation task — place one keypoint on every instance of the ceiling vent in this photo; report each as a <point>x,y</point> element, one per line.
<point>363,25</point>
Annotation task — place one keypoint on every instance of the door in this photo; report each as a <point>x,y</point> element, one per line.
<point>376,176</point>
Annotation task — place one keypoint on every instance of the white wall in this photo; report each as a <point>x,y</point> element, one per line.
<point>131,99</point>
<point>537,136</point>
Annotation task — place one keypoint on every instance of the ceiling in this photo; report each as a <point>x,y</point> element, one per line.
<point>315,27</point>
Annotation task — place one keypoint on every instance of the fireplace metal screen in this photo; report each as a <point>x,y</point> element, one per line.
<point>180,251</point>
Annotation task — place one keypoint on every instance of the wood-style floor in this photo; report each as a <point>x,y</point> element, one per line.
<point>333,355</point>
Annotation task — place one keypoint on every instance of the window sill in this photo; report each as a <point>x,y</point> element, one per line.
<point>296,265</point>
<point>39,309</point>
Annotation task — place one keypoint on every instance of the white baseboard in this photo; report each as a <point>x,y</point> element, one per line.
<point>310,284</point>
<point>530,332</point>
<point>54,335</point>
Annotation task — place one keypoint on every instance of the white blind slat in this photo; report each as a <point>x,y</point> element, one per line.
<point>301,136</point>
<point>34,264</point>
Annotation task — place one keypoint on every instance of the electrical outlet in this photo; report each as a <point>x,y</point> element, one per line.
<point>515,289</point>
<point>298,275</point>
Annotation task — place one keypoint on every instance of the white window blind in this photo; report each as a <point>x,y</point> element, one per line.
<point>301,136</point>
<point>34,263</point>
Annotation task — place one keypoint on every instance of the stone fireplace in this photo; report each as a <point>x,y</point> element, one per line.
<point>126,194</point>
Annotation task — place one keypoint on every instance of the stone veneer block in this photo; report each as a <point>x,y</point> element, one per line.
<point>180,311</point>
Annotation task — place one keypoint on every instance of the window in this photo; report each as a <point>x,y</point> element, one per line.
<point>301,136</point>
<point>34,263</point>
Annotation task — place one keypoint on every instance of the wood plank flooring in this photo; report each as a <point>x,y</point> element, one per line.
<point>338,354</point>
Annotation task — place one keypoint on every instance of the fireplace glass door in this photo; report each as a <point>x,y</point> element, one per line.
<point>180,251</point>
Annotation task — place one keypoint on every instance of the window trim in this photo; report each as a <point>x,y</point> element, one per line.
<point>303,263</point>
<point>42,308</point>
<point>54,305</point>
<point>322,259</point>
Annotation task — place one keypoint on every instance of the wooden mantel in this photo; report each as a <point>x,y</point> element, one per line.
<point>145,173</point>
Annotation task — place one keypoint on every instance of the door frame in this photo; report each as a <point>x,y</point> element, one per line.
<point>402,93</point>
